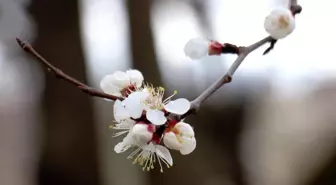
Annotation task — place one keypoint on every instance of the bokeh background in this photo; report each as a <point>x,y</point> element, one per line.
<point>275,124</point>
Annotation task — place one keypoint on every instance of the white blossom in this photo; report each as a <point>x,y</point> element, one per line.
<point>147,155</point>
<point>279,23</point>
<point>146,152</point>
<point>181,137</point>
<point>142,118</point>
<point>115,83</point>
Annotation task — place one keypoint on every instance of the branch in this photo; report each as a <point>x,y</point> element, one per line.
<point>60,74</point>
<point>242,53</point>
<point>227,78</point>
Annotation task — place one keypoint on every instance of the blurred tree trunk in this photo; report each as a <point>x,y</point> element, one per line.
<point>200,8</point>
<point>69,153</point>
<point>325,176</point>
<point>143,52</point>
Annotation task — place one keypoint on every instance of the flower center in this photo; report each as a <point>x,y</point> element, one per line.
<point>158,134</point>
<point>283,21</point>
<point>155,99</point>
<point>144,158</point>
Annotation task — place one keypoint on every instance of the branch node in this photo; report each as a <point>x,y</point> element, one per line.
<point>23,44</point>
<point>86,89</point>
<point>59,73</point>
<point>296,9</point>
<point>227,79</point>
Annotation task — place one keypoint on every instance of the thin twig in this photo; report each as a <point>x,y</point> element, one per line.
<point>60,74</point>
<point>227,78</point>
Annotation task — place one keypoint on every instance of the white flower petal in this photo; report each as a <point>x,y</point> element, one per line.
<point>106,84</point>
<point>179,106</point>
<point>120,112</point>
<point>141,133</point>
<point>196,48</point>
<point>185,129</point>
<point>136,97</point>
<point>120,79</point>
<point>136,110</point>
<point>156,117</point>
<point>170,141</point>
<point>125,124</point>
<point>134,103</point>
<point>125,144</point>
<point>135,76</point>
<point>164,153</point>
<point>121,147</point>
<point>189,146</point>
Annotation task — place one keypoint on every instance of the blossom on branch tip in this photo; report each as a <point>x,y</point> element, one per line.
<point>198,47</point>
<point>120,83</point>
<point>279,23</point>
<point>181,137</point>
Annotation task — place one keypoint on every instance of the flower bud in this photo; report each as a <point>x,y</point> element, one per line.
<point>199,47</point>
<point>171,141</point>
<point>196,48</point>
<point>280,23</point>
<point>181,137</point>
<point>142,133</point>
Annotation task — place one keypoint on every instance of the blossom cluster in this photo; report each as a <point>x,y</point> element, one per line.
<point>144,118</point>
<point>148,121</point>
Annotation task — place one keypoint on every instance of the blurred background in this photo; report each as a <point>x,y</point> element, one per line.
<point>274,125</point>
